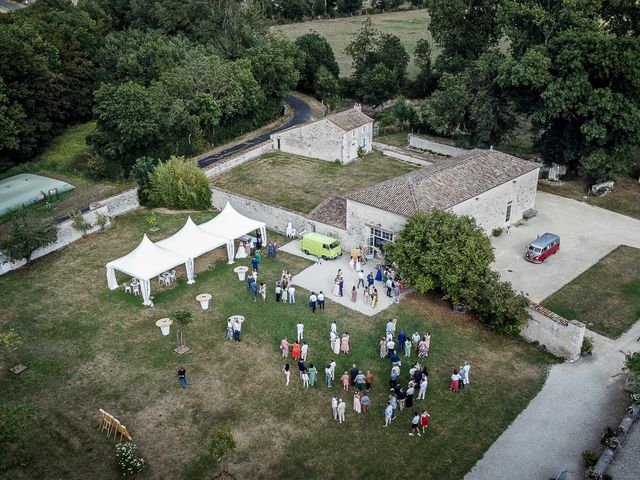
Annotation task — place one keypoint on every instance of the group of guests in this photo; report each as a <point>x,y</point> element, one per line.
<point>272,249</point>
<point>403,344</point>
<point>234,328</point>
<point>460,377</point>
<point>285,291</point>
<point>370,295</point>
<point>338,343</point>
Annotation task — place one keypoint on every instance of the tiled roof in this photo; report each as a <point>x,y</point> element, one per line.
<point>333,211</point>
<point>445,183</point>
<point>349,119</point>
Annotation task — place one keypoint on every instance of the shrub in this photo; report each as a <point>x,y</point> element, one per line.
<point>589,458</point>
<point>361,152</point>
<point>140,173</point>
<point>179,184</point>
<point>221,444</point>
<point>497,231</point>
<point>80,223</point>
<point>632,362</point>
<point>101,220</point>
<point>128,462</point>
<point>587,345</point>
<point>25,237</point>
<point>152,220</point>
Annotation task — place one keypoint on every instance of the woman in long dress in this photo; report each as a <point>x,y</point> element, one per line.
<point>455,381</point>
<point>242,252</point>
<point>423,348</point>
<point>336,287</point>
<point>336,346</point>
<point>354,294</point>
<point>357,406</point>
<point>374,300</point>
<point>383,348</point>
<point>295,353</point>
<point>366,296</point>
<point>333,338</point>
<point>378,274</point>
<point>427,339</point>
<point>284,347</point>
<point>344,346</point>
<point>313,372</point>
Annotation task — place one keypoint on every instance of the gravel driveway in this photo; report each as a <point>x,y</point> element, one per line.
<point>587,234</point>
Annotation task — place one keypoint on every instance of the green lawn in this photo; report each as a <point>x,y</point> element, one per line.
<point>301,183</point>
<point>410,26</point>
<point>89,348</point>
<point>606,297</point>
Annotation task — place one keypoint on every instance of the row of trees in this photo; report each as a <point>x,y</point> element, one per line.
<point>302,9</point>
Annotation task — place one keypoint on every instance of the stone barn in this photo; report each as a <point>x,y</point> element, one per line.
<point>335,137</point>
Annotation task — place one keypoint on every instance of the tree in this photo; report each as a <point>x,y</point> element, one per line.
<point>140,173</point>
<point>470,106</point>
<point>295,9</point>
<point>11,341</point>
<point>327,87</point>
<point>425,81</point>
<point>318,53</point>
<point>221,445</point>
<point>25,236</point>
<point>276,65</point>
<point>441,251</point>
<point>404,112</point>
<point>463,29</point>
<point>377,85</point>
<point>179,184</point>
<point>349,6</point>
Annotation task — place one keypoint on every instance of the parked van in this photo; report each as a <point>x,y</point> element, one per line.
<point>543,246</point>
<point>320,245</point>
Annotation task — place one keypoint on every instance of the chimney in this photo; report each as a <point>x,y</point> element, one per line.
<point>357,106</point>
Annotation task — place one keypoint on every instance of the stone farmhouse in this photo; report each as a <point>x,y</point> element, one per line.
<point>493,187</point>
<point>333,138</point>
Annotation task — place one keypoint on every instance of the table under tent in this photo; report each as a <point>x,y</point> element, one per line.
<point>150,259</point>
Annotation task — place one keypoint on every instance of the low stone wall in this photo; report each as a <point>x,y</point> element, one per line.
<point>122,203</point>
<point>400,154</point>
<point>560,336</point>
<point>274,216</point>
<point>234,161</point>
<point>66,235</point>
<point>435,147</point>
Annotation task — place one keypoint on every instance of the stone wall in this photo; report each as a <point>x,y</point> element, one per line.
<point>122,203</point>
<point>234,161</point>
<point>560,336</point>
<point>400,154</point>
<point>322,140</point>
<point>361,217</point>
<point>276,217</point>
<point>66,235</point>
<point>435,147</point>
<point>490,207</point>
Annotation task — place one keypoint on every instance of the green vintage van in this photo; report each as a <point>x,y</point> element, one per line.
<point>320,245</point>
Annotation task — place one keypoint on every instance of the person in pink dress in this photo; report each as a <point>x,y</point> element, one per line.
<point>354,294</point>
<point>345,380</point>
<point>284,347</point>
<point>344,343</point>
<point>455,381</point>
<point>295,353</point>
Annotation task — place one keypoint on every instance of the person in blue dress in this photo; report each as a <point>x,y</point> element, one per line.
<point>378,274</point>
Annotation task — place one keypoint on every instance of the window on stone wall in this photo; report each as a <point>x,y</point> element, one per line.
<point>508,215</point>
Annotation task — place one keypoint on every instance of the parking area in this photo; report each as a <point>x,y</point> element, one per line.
<point>586,233</point>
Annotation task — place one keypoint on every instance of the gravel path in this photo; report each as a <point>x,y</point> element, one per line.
<point>567,417</point>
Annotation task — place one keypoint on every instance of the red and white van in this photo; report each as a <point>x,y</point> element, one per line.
<point>543,246</point>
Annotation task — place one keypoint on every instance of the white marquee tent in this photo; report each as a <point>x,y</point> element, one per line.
<point>192,241</point>
<point>231,224</point>
<point>148,260</point>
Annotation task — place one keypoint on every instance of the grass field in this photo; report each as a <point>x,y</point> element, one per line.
<point>625,199</point>
<point>89,348</point>
<point>301,183</point>
<point>606,297</point>
<point>410,26</point>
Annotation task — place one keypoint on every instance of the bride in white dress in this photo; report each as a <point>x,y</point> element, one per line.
<point>242,252</point>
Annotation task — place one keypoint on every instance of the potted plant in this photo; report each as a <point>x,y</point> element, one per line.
<point>11,340</point>
<point>587,347</point>
<point>612,442</point>
<point>152,221</point>
<point>593,473</point>
<point>497,231</point>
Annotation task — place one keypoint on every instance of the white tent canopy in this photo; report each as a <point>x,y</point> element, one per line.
<point>146,261</point>
<point>191,241</point>
<point>230,224</point>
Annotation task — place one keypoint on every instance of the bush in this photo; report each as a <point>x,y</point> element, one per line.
<point>587,345</point>
<point>361,152</point>
<point>497,231</point>
<point>589,458</point>
<point>25,237</point>
<point>221,443</point>
<point>79,223</point>
<point>632,362</point>
<point>101,220</point>
<point>128,462</point>
<point>179,184</point>
<point>140,173</point>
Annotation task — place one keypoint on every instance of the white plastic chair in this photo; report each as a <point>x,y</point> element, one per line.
<point>289,229</point>
<point>127,288</point>
<point>172,276</point>
<point>136,289</point>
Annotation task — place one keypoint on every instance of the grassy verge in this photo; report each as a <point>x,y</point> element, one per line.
<point>606,297</point>
<point>301,183</point>
<point>89,348</point>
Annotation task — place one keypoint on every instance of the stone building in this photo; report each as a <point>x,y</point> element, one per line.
<point>492,187</point>
<point>335,137</point>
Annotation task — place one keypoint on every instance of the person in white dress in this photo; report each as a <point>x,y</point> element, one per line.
<point>464,373</point>
<point>336,346</point>
<point>357,406</point>
<point>242,252</point>
<point>300,330</point>
<point>304,350</point>
<point>333,337</point>
<point>352,264</point>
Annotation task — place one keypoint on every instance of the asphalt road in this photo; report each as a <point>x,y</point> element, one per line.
<point>301,114</point>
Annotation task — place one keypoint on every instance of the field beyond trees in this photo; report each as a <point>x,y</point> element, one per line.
<point>410,26</point>
<point>89,348</point>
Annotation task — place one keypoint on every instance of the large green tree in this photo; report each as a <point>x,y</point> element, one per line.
<point>318,53</point>
<point>441,251</point>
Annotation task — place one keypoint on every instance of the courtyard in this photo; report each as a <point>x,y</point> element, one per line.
<point>301,183</point>
<point>89,348</point>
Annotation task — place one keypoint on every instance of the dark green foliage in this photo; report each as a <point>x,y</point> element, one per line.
<point>140,173</point>
<point>295,9</point>
<point>327,87</point>
<point>318,53</point>
<point>632,362</point>
<point>349,6</point>
<point>26,236</point>
<point>470,106</point>
<point>380,64</point>
<point>426,80</point>
<point>589,458</point>
<point>179,184</point>
<point>15,418</point>
<point>404,112</point>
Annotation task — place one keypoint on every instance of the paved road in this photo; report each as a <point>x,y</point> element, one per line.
<point>301,114</point>
<point>587,234</point>
<point>567,417</point>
